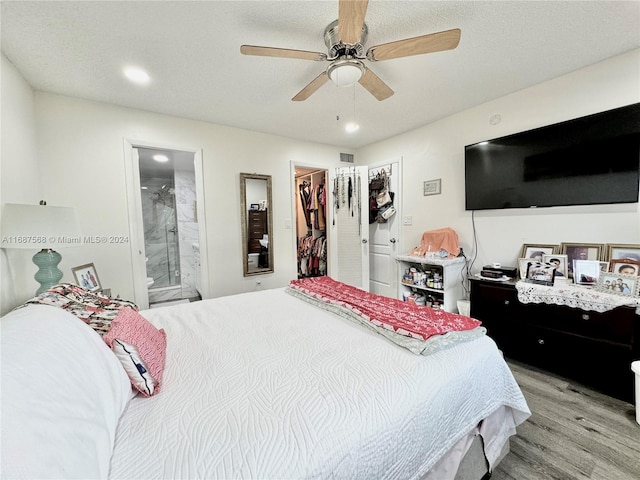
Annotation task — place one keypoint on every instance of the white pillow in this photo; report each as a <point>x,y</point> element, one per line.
<point>63,392</point>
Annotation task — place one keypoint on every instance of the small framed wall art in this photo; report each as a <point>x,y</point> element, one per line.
<point>433,187</point>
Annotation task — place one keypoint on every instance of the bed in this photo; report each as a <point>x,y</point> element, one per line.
<point>264,385</point>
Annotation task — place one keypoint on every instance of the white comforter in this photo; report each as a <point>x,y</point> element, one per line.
<point>266,386</point>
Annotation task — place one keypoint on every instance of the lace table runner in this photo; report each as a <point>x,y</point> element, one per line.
<point>575,296</point>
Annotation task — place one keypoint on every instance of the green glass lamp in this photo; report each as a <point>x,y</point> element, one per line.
<point>41,226</point>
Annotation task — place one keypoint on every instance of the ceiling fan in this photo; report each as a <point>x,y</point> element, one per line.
<point>345,39</point>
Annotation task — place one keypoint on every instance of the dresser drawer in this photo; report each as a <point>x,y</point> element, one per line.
<point>614,325</point>
<point>604,366</point>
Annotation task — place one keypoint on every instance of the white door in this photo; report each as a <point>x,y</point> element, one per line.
<point>384,239</point>
<point>349,226</point>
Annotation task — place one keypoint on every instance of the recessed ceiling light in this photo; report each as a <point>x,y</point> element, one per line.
<point>161,158</point>
<point>137,75</point>
<point>351,127</point>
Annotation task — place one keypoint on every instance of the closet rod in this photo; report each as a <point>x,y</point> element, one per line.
<point>310,173</point>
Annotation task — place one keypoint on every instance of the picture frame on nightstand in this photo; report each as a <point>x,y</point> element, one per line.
<point>86,276</point>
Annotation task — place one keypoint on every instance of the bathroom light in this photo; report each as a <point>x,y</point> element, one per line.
<point>161,158</point>
<point>137,75</point>
<point>345,72</point>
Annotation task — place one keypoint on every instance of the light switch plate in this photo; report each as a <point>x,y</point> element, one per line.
<point>408,220</point>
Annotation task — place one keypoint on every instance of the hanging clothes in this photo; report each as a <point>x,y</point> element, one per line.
<point>321,211</point>
<point>305,196</point>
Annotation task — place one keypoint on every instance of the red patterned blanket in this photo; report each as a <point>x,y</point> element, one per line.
<point>392,314</point>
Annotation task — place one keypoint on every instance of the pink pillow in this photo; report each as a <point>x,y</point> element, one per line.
<point>147,357</point>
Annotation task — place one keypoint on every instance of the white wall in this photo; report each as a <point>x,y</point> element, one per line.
<point>19,180</point>
<point>437,151</point>
<point>82,159</point>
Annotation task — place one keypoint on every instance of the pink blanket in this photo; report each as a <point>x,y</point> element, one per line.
<point>392,314</point>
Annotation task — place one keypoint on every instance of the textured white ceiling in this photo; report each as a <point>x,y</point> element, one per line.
<point>192,52</point>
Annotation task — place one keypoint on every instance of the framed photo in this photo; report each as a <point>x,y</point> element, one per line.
<point>581,251</point>
<point>433,187</point>
<point>559,262</point>
<point>625,267</point>
<point>619,284</point>
<point>87,277</point>
<point>629,251</point>
<point>523,266</point>
<point>254,206</point>
<point>604,266</point>
<point>586,272</point>
<point>536,251</point>
<point>542,273</point>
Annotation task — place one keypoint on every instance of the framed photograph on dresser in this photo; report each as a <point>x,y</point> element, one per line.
<point>581,251</point>
<point>622,251</point>
<point>536,251</point>
<point>559,262</point>
<point>614,283</point>
<point>625,267</point>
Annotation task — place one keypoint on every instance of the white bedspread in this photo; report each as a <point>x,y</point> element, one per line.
<point>266,386</point>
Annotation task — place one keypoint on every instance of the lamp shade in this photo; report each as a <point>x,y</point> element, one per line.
<point>39,226</point>
<point>345,73</point>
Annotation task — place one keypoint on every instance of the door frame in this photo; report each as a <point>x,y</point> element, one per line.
<point>136,226</point>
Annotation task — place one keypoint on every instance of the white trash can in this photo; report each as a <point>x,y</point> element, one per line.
<point>464,307</point>
<point>635,366</point>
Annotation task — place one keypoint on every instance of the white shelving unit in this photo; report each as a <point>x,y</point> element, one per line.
<point>450,271</point>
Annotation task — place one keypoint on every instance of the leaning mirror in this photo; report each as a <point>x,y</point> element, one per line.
<point>257,241</point>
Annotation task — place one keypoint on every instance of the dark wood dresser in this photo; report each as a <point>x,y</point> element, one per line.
<point>256,229</point>
<point>593,348</point>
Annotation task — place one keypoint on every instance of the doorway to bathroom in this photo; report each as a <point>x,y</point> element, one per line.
<point>165,189</point>
<point>168,197</point>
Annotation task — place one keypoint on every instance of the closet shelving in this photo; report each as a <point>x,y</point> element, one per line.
<point>311,215</point>
<point>446,292</point>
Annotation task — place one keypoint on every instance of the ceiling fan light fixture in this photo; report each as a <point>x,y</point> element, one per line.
<point>345,73</point>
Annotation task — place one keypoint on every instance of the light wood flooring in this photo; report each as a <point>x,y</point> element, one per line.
<point>573,433</point>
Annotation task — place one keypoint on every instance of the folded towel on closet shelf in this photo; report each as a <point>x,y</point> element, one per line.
<point>433,241</point>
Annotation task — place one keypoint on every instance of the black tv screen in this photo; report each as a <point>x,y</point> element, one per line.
<point>586,161</point>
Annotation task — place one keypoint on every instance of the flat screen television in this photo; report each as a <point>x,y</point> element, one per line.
<point>586,161</point>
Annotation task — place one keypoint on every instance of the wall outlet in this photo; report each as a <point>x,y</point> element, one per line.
<point>408,220</point>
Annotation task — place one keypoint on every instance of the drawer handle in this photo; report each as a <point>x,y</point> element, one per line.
<point>585,316</point>
<point>540,341</point>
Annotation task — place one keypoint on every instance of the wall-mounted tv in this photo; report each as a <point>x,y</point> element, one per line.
<point>585,161</point>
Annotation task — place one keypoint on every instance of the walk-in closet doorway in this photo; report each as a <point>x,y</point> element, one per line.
<point>311,214</point>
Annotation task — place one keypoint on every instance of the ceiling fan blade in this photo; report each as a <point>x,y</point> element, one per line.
<point>374,85</point>
<point>433,42</point>
<point>351,19</point>
<point>315,84</point>
<point>281,52</point>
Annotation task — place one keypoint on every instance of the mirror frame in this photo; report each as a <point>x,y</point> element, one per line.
<point>244,221</point>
